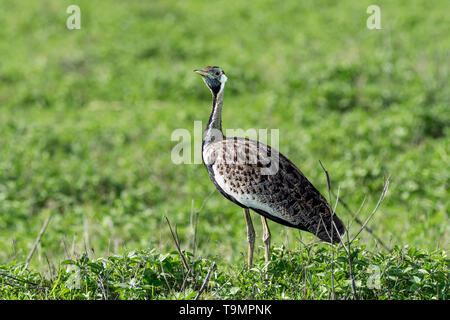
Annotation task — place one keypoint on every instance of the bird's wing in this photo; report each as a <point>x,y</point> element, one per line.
<point>258,177</point>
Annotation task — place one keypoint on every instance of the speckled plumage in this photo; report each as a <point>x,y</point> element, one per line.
<point>235,166</point>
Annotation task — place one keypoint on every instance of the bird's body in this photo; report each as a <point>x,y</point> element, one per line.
<point>258,177</point>
<point>235,166</point>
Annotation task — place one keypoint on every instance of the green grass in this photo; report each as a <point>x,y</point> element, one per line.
<point>86,118</point>
<point>404,274</point>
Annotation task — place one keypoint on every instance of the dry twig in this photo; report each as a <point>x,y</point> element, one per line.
<point>177,244</point>
<point>380,200</point>
<point>205,282</point>
<point>38,239</point>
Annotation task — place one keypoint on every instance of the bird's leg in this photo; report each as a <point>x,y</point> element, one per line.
<point>250,236</point>
<point>266,239</point>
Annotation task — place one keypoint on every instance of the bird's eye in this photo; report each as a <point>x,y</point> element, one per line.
<point>217,73</point>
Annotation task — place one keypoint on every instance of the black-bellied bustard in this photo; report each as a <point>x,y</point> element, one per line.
<point>258,177</point>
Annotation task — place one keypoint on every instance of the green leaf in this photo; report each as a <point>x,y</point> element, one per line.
<point>234,290</point>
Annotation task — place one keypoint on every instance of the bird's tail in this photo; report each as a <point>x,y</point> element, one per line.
<point>328,228</point>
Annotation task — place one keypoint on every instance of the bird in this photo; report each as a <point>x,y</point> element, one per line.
<point>258,177</point>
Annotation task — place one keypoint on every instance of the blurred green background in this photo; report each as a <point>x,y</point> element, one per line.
<point>86,118</point>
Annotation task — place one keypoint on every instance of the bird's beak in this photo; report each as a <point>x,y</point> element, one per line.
<point>202,73</point>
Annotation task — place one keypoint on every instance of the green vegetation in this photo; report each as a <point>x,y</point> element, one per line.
<point>404,274</point>
<point>86,118</point>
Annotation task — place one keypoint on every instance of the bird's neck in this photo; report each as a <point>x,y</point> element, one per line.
<point>213,132</point>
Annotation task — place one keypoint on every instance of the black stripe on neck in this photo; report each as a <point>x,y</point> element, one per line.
<point>215,90</point>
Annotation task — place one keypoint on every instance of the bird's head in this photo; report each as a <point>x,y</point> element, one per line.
<point>214,77</point>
